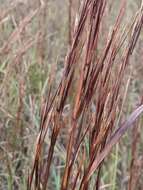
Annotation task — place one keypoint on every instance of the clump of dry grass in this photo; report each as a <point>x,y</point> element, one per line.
<point>96,102</point>
<point>83,117</point>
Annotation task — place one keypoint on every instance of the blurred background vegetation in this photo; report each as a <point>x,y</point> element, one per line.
<point>34,38</point>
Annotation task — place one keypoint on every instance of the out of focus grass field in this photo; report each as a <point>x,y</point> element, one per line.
<point>34,39</point>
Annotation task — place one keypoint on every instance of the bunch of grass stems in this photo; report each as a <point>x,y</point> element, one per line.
<point>96,104</point>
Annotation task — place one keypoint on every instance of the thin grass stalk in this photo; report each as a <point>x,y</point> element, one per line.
<point>136,165</point>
